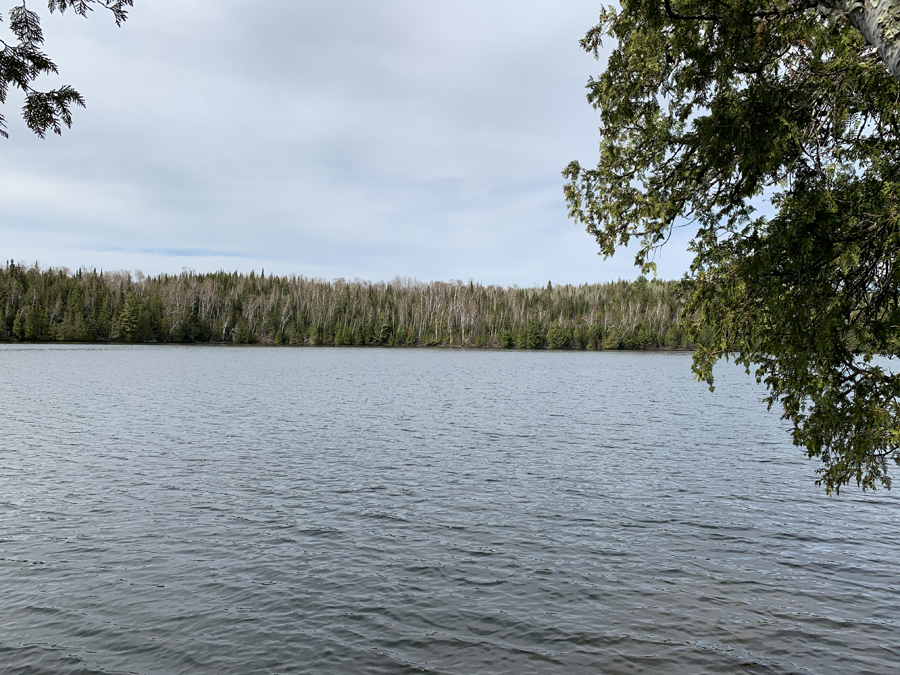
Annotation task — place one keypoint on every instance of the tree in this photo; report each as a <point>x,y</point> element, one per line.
<point>878,22</point>
<point>129,318</point>
<point>710,108</point>
<point>22,62</point>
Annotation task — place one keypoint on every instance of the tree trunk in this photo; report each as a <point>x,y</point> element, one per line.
<point>877,20</point>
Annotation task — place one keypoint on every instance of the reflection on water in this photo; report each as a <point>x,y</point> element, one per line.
<point>228,510</point>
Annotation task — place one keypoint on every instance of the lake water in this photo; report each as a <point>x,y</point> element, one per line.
<point>299,510</point>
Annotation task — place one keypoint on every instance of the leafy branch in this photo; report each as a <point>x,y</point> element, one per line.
<point>22,62</point>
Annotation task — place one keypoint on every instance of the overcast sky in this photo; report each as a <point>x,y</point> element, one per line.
<point>326,138</point>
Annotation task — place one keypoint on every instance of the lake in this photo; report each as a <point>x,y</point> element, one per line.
<point>338,510</point>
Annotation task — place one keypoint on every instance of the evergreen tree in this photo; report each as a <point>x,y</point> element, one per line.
<point>22,62</point>
<point>709,107</point>
<point>128,319</point>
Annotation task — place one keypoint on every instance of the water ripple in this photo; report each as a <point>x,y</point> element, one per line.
<point>183,510</point>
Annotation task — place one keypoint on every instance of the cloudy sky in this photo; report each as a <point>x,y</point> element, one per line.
<point>328,138</point>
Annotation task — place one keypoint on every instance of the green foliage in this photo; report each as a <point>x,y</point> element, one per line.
<point>33,328</point>
<point>89,306</point>
<point>531,335</point>
<point>613,339</point>
<point>709,107</point>
<point>241,334</point>
<point>559,337</point>
<point>22,62</point>
<point>128,318</point>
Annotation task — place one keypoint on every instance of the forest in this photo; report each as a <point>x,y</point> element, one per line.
<point>56,305</point>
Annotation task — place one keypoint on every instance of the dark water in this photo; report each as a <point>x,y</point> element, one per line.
<point>227,510</point>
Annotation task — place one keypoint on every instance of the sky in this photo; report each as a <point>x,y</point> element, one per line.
<point>367,139</point>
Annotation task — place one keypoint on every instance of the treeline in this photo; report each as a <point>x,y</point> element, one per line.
<point>89,306</point>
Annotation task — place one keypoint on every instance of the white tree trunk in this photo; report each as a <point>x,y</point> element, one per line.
<point>877,20</point>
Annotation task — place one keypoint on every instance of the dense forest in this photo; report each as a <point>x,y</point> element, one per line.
<point>88,306</point>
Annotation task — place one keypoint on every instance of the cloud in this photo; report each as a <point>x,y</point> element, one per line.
<point>342,138</point>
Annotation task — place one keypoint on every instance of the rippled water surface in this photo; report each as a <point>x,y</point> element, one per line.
<point>260,510</point>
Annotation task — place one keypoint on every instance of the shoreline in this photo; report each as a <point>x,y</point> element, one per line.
<point>266,345</point>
